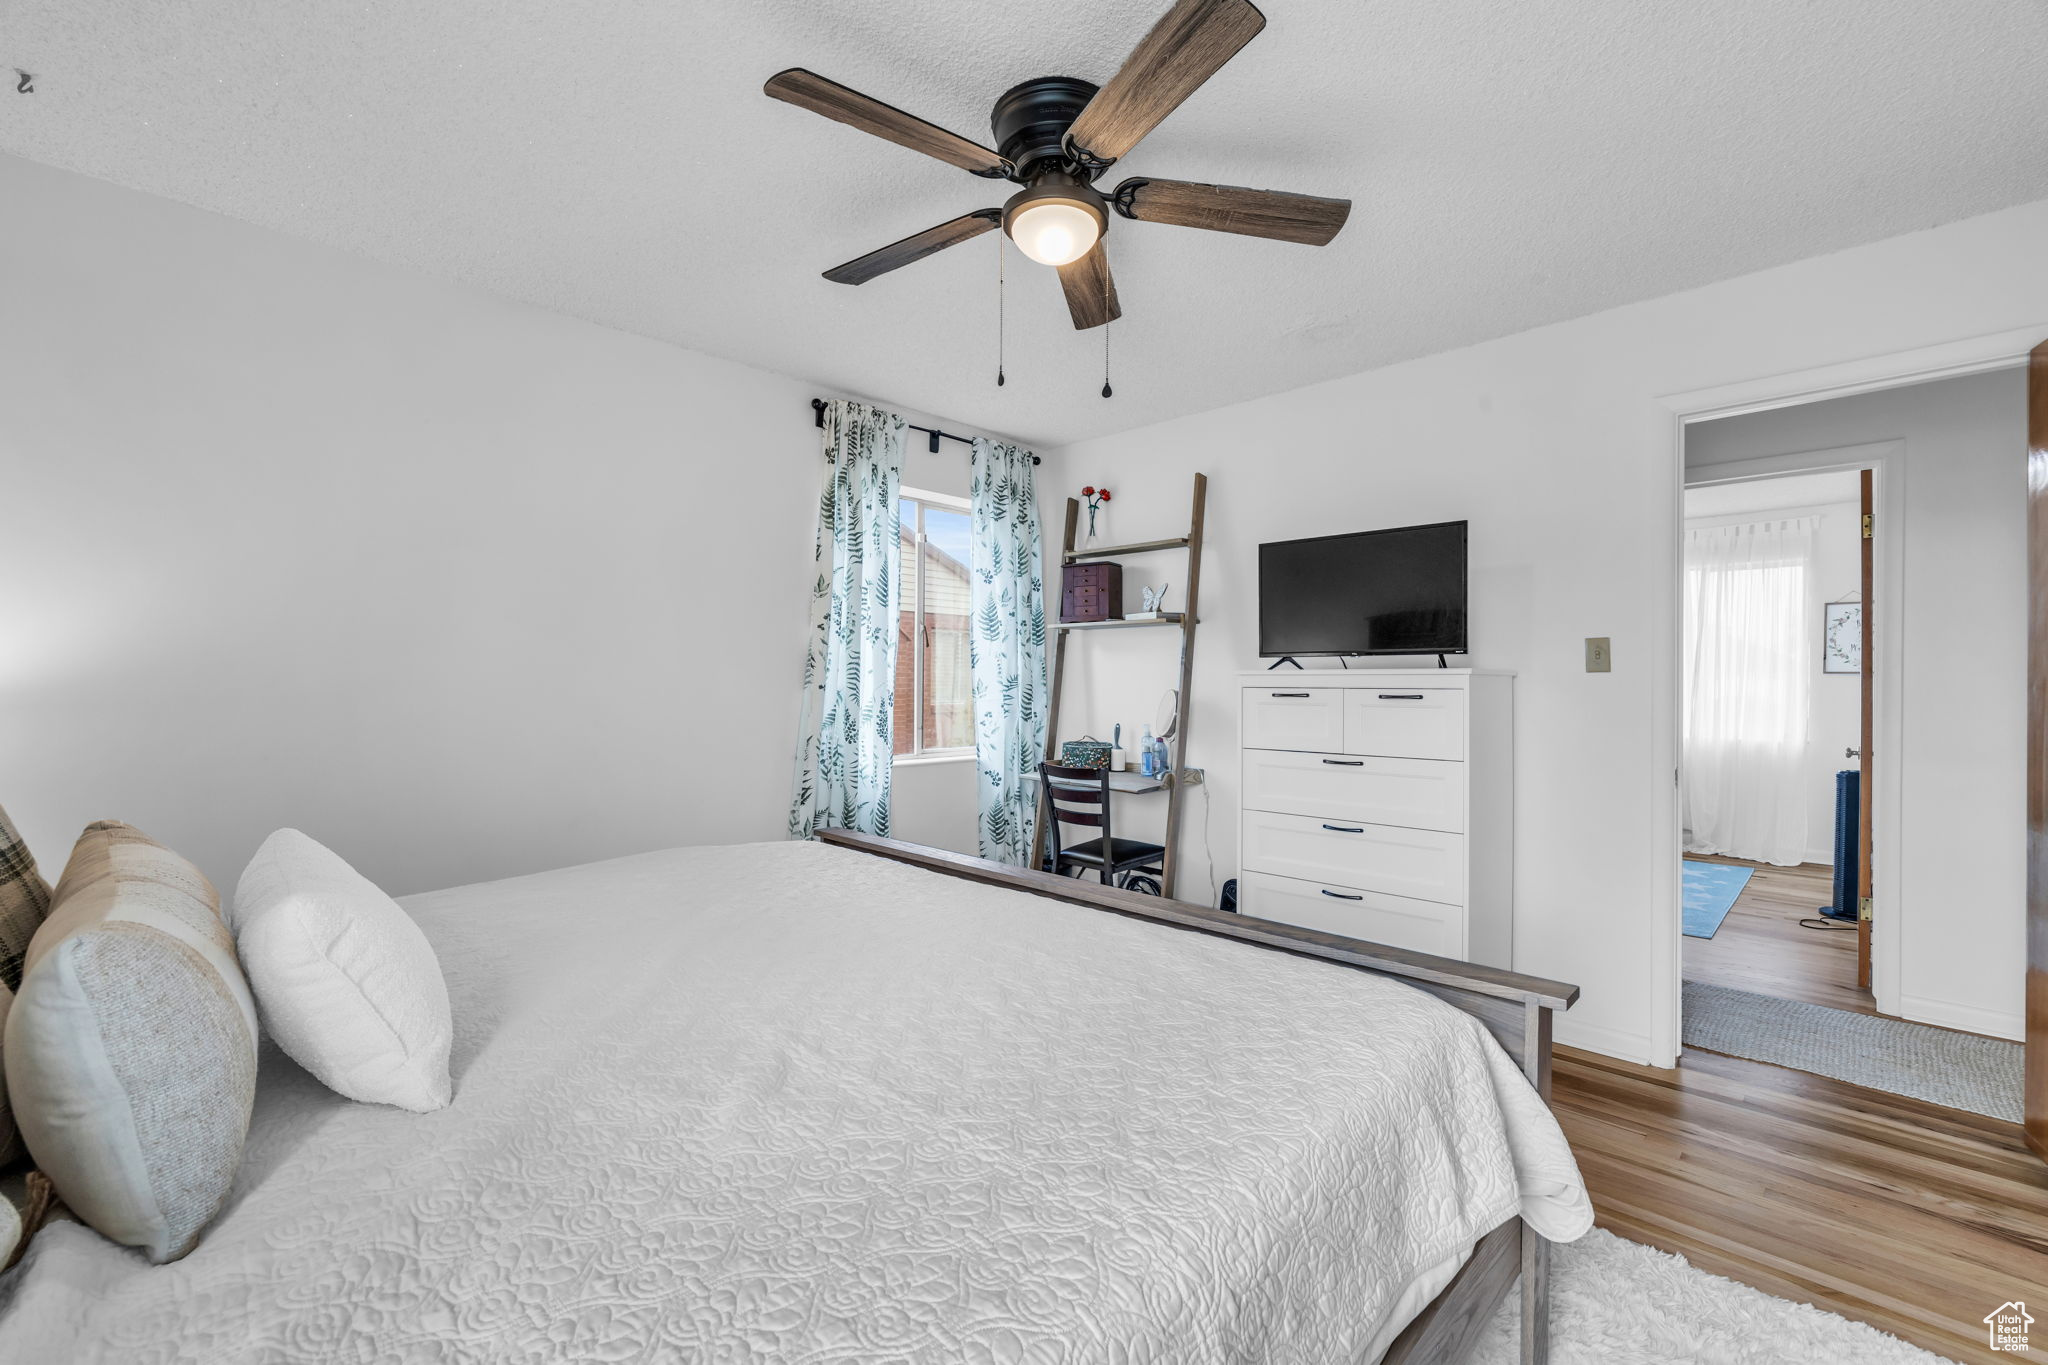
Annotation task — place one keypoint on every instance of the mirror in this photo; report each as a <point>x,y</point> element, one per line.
<point>1167,719</point>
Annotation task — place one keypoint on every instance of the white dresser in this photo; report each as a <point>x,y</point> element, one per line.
<point>1380,804</point>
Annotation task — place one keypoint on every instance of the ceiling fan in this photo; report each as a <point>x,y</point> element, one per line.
<point>1057,135</point>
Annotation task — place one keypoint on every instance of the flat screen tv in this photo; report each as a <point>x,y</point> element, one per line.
<point>1399,591</point>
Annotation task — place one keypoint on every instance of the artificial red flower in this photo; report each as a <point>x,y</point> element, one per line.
<point>1105,495</point>
<point>1088,492</point>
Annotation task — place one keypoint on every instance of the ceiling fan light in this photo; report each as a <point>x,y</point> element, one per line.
<point>1053,232</point>
<point>1057,219</point>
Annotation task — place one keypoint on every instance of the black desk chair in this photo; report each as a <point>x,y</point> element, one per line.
<point>1080,796</point>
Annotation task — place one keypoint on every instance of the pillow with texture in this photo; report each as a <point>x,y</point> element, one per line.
<point>348,985</point>
<point>131,1046</point>
<point>10,1136</point>
<point>24,900</point>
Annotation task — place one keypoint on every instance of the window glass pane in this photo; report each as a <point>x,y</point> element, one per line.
<point>948,711</point>
<point>906,631</point>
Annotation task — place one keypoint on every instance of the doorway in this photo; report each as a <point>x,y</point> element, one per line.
<point>1943,781</point>
<point>1774,727</point>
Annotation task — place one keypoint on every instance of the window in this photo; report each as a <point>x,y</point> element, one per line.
<point>934,686</point>
<point>1752,697</point>
<point>1748,661</point>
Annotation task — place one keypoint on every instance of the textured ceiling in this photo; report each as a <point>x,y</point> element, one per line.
<point>1514,162</point>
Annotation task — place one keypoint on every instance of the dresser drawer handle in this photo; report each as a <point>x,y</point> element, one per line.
<point>1345,762</point>
<point>1339,895</point>
<point>1302,695</point>
<point>1346,829</point>
<point>1400,696</point>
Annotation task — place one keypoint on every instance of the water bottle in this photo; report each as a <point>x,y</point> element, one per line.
<point>1148,756</point>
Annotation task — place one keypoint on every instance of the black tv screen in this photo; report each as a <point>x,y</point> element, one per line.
<point>1400,591</point>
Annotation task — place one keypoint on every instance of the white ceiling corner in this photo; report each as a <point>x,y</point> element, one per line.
<point>1512,165</point>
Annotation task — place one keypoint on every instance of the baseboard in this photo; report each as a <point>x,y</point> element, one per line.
<point>1825,857</point>
<point>1608,1042</point>
<point>1968,1018</point>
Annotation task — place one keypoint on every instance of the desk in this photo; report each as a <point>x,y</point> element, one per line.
<point>1131,784</point>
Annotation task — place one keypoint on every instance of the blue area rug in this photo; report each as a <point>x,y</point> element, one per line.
<point>1710,892</point>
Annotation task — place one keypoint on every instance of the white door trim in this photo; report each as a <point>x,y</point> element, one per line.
<point>1946,360</point>
<point>1949,360</point>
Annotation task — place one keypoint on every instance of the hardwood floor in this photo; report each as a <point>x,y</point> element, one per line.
<point>1761,947</point>
<point>1916,1219</point>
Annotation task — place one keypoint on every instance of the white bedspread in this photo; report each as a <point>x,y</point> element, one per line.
<point>791,1103</point>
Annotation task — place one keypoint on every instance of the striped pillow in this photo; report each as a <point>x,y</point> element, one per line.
<point>27,1201</point>
<point>131,1047</point>
<point>24,900</point>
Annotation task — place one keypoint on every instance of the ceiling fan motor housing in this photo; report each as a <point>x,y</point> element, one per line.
<point>1030,120</point>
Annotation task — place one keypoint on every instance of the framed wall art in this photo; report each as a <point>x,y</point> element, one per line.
<point>1841,643</point>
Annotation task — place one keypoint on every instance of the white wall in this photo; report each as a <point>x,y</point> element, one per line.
<point>933,801</point>
<point>462,587</point>
<point>1960,906</point>
<point>1835,724</point>
<point>1559,447</point>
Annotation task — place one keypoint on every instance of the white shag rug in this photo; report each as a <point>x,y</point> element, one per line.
<point>1616,1302</point>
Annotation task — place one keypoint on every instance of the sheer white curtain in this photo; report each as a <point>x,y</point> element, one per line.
<point>1748,689</point>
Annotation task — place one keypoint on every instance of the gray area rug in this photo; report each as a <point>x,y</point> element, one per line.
<point>1616,1302</point>
<point>1957,1070</point>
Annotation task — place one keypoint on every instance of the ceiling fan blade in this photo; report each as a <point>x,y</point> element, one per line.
<point>1091,293</point>
<point>809,90</point>
<point>1228,208</point>
<point>1188,45</point>
<point>915,247</point>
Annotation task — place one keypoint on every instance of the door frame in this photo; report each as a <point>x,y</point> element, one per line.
<point>1919,365</point>
<point>1887,462</point>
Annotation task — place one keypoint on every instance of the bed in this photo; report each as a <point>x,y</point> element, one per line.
<point>858,1101</point>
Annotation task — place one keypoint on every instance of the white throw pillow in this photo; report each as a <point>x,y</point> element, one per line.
<point>345,981</point>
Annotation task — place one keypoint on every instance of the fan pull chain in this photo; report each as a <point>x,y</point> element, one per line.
<point>999,309</point>
<point>1105,360</point>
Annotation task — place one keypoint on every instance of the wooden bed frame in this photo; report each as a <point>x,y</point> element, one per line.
<point>1516,1009</point>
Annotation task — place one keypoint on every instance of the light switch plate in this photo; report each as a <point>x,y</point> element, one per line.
<point>1599,654</point>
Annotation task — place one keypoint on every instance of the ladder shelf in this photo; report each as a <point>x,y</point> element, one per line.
<point>1174,783</point>
<point>1171,618</point>
<point>1111,551</point>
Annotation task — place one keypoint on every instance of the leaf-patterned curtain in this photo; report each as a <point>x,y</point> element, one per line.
<point>845,735</point>
<point>1008,647</point>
